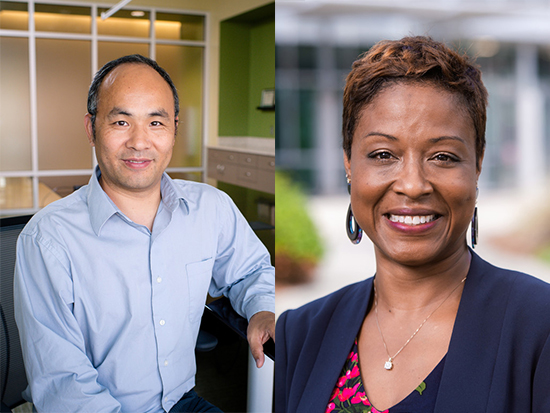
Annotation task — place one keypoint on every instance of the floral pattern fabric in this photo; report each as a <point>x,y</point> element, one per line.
<point>349,395</point>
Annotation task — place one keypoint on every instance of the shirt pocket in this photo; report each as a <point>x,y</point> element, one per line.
<point>199,276</point>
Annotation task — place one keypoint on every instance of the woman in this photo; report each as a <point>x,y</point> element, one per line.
<point>437,329</point>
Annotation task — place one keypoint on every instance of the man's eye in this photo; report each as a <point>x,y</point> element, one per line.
<point>121,123</point>
<point>156,123</point>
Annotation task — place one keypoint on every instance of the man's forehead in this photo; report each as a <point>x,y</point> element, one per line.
<point>134,79</point>
<point>130,71</point>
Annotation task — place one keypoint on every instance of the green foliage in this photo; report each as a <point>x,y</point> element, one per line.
<point>295,234</point>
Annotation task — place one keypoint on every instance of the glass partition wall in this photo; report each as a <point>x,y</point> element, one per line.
<point>48,55</point>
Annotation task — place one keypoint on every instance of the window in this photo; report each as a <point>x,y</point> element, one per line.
<point>49,54</point>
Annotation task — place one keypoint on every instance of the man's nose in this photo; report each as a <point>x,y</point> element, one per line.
<point>138,139</point>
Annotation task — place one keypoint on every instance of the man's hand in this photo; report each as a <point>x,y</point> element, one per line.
<point>260,327</point>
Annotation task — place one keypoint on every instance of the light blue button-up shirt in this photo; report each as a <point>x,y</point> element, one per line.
<point>109,312</point>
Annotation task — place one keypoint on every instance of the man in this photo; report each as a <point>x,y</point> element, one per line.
<point>111,281</point>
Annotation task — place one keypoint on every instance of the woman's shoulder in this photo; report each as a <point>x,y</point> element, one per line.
<point>519,280</point>
<point>320,311</point>
<point>522,291</point>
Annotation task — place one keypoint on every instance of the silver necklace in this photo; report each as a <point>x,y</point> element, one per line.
<point>388,365</point>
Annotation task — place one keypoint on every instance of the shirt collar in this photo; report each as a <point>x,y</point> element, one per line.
<point>99,205</point>
<point>172,194</point>
<point>101,208</point>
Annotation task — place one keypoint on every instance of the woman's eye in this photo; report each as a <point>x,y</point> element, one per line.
<point>381,155</point>
<point>444,157</point>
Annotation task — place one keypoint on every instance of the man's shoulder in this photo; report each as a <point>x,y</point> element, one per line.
<point>58,212</point>
<point>198,192</point>
<point>194,187</point>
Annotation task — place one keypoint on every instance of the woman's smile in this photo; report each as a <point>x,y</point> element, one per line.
<point>412,222</point>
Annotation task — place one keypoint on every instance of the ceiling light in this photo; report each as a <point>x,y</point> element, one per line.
<point>106,14</point>
<point>137,13</point>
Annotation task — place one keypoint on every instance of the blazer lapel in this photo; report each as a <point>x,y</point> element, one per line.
<point>471,357</point>
<point>341,331</point>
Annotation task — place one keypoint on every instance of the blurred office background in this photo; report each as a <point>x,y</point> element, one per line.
<point>316,43</point>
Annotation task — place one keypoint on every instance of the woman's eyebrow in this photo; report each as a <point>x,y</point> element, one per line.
<point>432,140</point>
<point>444,138</point>
<point>384,135</point>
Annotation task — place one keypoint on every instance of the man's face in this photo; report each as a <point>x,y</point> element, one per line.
<point>135,129</point>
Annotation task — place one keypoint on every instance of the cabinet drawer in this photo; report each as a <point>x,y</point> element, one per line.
<point>266,162</point>
<point>246,159</point>
<point>266,181</point>
<point>243,169</point>
<point>248,175</point>
<point>222,171</point>
<point>216,155</point>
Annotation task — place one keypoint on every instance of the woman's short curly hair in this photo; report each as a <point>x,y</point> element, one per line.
<point>411,60</point>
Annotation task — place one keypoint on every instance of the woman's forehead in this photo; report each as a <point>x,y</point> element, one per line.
<point>405,108</point>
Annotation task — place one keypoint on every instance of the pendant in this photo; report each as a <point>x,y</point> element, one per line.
<point>388,365</point>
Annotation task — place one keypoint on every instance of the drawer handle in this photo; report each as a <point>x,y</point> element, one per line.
<point>272,163</point>
<point>248,159</point>
<point>248,173</point>
<point>220,168</point>
<point>231,157</point>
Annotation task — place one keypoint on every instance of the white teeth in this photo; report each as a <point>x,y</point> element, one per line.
<point>412,220</point>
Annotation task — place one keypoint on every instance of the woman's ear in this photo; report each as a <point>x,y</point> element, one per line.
<point>479,164</point>
<point>347,165</point>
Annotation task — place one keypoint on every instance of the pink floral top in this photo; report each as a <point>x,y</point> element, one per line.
<point>349,395</point>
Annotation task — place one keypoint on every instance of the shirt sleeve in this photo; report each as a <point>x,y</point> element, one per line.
<point>60,374</point>
<point>242,268</point>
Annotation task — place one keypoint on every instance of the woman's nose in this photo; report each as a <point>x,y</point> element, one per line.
<point>412,180</point>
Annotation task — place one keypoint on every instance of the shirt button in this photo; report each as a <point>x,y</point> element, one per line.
<point>162,322</point>
<point>159,279</point>
<point>165,362</point>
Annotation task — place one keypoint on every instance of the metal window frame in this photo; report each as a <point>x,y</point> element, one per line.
<point>31,34</point>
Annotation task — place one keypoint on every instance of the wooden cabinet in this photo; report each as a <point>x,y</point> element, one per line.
<point>242,168</point>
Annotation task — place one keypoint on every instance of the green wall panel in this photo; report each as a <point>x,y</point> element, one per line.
<point>262,70</point>
<point>247,66</point>
<point>234,78</point>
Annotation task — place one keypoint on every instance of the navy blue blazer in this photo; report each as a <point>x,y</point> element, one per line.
<point>498,358</point>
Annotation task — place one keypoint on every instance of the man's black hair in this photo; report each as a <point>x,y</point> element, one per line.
<point>93,93</point>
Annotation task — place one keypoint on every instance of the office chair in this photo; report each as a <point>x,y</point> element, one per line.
<point>14,380</point>
<point>223,312</point>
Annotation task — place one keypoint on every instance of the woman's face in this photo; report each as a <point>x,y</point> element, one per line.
<point>413,173</point>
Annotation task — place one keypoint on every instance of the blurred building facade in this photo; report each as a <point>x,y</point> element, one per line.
<point>317,41</point>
